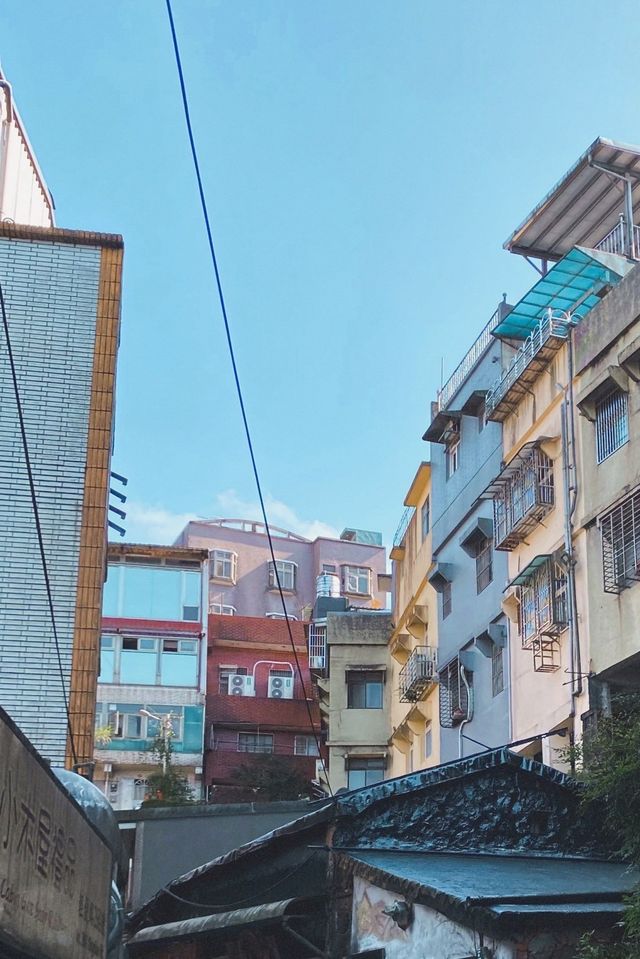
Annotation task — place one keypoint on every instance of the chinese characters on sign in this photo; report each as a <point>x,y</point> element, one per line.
<point>55,871</point>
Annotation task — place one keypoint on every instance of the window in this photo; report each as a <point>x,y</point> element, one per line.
<point>523,495</point>
<point>497,669</point>
<point>305,746</point>
<point>145,661</point>
<point>281,616</point>
<point>140,789</point>
<point>287,574</point>
<point>425,515</point>
<point>543,601</point>
<point>224,564</point>
<point>364,771</point>
<point>620,529</point>
<point>480,414</point>
<point>447,602</point>
<point>328,568</point>
<point>255,742</point>
<point>484,564</point>
<point>454,695</point>
<point>221,610</point>
<point>154,728</point>
<point>428,742</point>
<point>452,452</point>
<point>356,580</point>
<point>132,726</point>
<point>364,690</point>
<point>223,676</point>
<point>612,423</point>
<point>126,722</point>
<point>138,590</point>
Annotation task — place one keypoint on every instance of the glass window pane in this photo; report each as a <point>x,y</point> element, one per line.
<point>356,778</point>
<point>167,594</point>
<point>374,695</point>
<point>138,667</point>
<point>110,595</point>
<point>179,669</point>
<point>191,588</point>
<point>137,589</point>
<point>107,660</point>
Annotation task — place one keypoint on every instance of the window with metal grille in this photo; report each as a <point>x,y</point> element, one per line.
<point>620,529</point>
<point>612,423</point>
<point>224,565</point>
<point>454,698</point>
<point>484,564</point>
<point>255,742</point>
<point>287,574</point>
<point>447,603</point>
<point>524,494</point>
<point>543,603</point>
<point>497,669</point>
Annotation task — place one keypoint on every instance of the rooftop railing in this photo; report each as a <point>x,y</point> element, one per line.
<point>403,525</point>
<point>615,241</point>
<point>457,378</point>
<point>547,328</point>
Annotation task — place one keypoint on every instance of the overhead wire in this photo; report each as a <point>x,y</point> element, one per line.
<point>36,516</point>
<point>236,377</point>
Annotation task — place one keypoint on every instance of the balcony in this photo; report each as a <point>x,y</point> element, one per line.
<point>418,673</point>
<point>532,358</point>
<point>617,240</point>
<point>522,495</point>
<point>398,545</point>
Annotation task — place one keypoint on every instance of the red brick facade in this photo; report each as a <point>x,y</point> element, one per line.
<point>255,646</point>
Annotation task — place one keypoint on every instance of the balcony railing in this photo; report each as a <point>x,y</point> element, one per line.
<point>457,378</point>
<point>403,526</point>
<point>533,348</point>
<point>616,240</point>
<point>522,495</point>
<point>418,673</point>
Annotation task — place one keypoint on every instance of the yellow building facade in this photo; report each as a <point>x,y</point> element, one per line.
<point>415,734</point>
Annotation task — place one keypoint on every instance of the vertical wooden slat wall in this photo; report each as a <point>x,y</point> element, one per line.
<point>93,539</point>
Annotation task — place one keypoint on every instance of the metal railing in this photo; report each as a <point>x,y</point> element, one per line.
<point>615,240</point>
<point>547,327</point>
<point>457,378</point>
<point>403,525</point>
<point>417,673</point>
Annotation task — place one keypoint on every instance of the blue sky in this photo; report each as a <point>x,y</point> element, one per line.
<point>363,161</point>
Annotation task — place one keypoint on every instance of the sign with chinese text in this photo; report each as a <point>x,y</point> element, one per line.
<point>55,870</point>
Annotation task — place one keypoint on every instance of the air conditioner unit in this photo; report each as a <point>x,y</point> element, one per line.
<point>280,687</point>
<point>240,685</point>
<point>319,770</point>
<point>316,662</point>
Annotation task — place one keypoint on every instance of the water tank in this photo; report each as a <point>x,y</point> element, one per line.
<point>327,584</point>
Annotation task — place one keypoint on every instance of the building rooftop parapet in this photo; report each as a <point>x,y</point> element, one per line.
<point>466,365</point>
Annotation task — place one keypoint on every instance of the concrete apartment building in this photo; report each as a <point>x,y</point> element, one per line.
<point>413,645</point>
<point>62,295</point>
<point>467,573</point>
<point>563,473</point>
<point>153,667</point>
<point>256,703</point>
<point>355,697</point>
<point>242,580</point>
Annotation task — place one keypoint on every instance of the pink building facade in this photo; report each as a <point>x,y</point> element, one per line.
<point>242,581</point>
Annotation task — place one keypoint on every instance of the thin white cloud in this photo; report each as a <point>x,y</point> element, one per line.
<point>154,524</point>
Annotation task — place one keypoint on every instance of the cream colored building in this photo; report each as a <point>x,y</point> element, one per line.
<point>355,697</point>
<point>415,734</point>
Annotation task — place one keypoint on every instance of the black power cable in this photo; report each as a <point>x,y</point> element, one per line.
<point>227,330</point>
<point>36,516</point>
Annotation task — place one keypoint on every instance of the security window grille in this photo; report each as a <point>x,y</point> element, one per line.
<point>612,423</point>
<point>255,743</point>
<point>426,517</point>
<point>221,610</point>
<point>452,455</point>
<point>364,771</point>
<point>140,789</point>
<point>447,603</point>
<point>620,529</point>
<point>356,580</point>
<point>484,564</point>
<point>287,572</point>
<point>543,603</point>
<point>305,746</point>
<point>524,495</point>
<point>224,565</point>
<point>317,645</point>
<point>454,698</point>
<point>497,669</point>
<point>364,690</point>
<point>223,677</point>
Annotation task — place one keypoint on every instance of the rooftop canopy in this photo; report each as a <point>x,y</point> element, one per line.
<point>577,282</point>
<point>584,206</point>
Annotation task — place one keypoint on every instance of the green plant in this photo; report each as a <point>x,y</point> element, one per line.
<point>271,779</point>
<point>167,786</point>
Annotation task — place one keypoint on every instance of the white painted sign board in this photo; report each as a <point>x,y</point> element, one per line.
<point>55,870</point>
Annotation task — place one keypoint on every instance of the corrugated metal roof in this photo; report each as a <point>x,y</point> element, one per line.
<point>582,207</point>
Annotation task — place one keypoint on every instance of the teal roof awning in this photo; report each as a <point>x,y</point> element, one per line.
<point>574,283</point>
<point>526,574</point>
